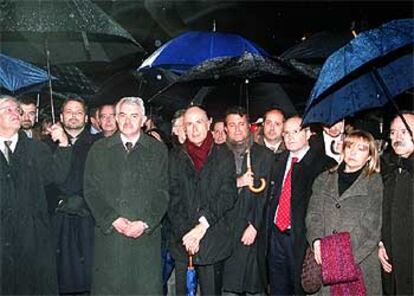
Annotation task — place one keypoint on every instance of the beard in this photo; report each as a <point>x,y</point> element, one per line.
<point>26,124</point>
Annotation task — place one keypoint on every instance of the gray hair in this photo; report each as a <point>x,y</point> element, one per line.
<point>7,98</point>
<point>131,100</point>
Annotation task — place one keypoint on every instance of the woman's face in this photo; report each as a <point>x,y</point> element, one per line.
<point>356,155</point>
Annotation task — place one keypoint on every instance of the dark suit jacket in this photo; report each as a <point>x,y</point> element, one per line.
<point>304,173</point>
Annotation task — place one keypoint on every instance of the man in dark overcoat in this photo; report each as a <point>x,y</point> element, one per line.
<point>126,188</point>
<point>396,249</point>
<point>245,269</point>
<point>202,191</point>
<point>73,223</point>
<point>27,255</point>
<point>291,188</point>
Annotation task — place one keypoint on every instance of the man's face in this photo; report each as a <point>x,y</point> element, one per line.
<point>178,129</point>
<point>219,133</point>
<point>273,126</point>
<point>9,117</point>
<point>28,117</point>
<point>237,128</point>
<point>130,120</point>
<point>73,116</point>
<point>294,136</point>
<point>107,119</point>
<point>401,140</point>
<point>196,125</point>
<point>336,129</point>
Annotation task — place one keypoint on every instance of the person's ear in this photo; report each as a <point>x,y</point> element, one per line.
<point>144,119</point>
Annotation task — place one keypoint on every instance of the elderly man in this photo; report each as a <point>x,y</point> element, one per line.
<point>292,176</point>
<point>396,249</point>
<point>202,191</point>
<point>107,122</point>
<point>28,118</point>
<point>72,220</point>
<point>273,121</point>
<point>27,256</point>
<point>245,270</point>
<point>126,188</point>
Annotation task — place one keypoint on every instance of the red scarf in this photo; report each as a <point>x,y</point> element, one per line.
<point>199,154</point>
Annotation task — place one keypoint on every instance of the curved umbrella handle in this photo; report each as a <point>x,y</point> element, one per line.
<point>262,180</point>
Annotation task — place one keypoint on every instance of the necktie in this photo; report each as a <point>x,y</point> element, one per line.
<point>7,151</point>
<point>282,217</point>
<point>128,146</point>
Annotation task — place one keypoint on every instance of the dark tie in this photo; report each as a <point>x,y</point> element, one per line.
<point>128,146</point>
<point>282,216</point>
<point>7,151</point>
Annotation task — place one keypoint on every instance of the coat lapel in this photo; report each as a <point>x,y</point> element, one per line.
<point>359,187</point>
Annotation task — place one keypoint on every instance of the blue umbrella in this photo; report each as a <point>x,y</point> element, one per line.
<point>16,74</point>
<point>366,73</point>
<point>191,278</point>
<point>192,48</point>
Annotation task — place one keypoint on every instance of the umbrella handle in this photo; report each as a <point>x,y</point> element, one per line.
<point>249,169</point>
<point>190,262</point>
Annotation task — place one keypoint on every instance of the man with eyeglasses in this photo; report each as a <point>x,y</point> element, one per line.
<point>291,187</point>
<point>27,254</point>
<point>396,251</point>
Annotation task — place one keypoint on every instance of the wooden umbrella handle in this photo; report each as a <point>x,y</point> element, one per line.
<point>262,180</point>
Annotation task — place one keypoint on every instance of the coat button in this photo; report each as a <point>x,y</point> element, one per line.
<point>334,231</point>
<point>337,205</point>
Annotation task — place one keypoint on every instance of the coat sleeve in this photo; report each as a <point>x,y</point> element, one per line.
<point>371,221</point>
<point>55,166</point>
<point>159,200</point>
<point>103,213</point>
<point>177,207</point>
<point>226,195</point>
<point>314,217</point>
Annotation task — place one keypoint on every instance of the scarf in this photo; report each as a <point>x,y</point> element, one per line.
<point>199,154</point>
<point>339,269</point>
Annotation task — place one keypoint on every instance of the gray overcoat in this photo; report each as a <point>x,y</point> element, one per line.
<point>357,211</point>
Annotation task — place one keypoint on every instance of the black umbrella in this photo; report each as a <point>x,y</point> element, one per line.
<point>60,32</point>
<point>74,30</point>
<point>242,73</point>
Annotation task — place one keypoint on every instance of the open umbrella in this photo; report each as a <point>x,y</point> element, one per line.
<point>192,48</point>
<point>366,73</point>
<point>242,73</point>
<point>16,74</point>
<point>74,30</point>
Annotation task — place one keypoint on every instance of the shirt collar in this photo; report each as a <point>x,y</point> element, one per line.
<point>133,141</point>
<point>14,140</point>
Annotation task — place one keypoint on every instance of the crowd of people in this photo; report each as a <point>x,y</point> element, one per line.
<point>103,200</point>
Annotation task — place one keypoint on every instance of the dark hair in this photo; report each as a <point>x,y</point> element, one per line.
<point>74,98</point>
<point>99,109</point>
<point>27,101</point>
<point>236,110</point>
<point>274,109</point>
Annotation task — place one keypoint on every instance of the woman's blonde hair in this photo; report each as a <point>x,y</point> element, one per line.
<point>354,136</point>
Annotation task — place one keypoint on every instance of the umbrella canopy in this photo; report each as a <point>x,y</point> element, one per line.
<point>366,73</point>
<point>235,81</point>
<point>192,48</point>
<point>75,31</point>
<point>16,74</point>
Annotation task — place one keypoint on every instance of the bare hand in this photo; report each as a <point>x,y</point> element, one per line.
<point>191,240</point>
<point>383,258</point>
<point>245,180</point>
<point>58,134</point>
<point>249,235</point>
<point>135,229</point>
<point>121,224</point>
<point>317,251</point>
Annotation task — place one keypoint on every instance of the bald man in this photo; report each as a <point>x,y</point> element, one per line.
<point>202,191</point>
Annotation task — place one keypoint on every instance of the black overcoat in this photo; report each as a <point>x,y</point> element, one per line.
<point>210,193</point>
<point>244,269</point>
<point>28,265</point>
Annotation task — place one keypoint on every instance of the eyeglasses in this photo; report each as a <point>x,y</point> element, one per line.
<point>12,109</point>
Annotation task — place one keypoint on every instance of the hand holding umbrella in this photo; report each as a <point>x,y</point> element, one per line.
<point>191,240</point>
